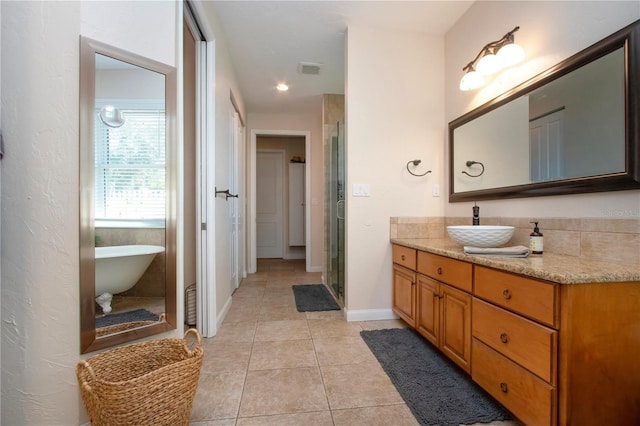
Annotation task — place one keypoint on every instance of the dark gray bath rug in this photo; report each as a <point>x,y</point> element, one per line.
<point>314,298</point>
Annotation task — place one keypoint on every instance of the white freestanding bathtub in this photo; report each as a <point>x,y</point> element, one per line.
<point>118,268</point>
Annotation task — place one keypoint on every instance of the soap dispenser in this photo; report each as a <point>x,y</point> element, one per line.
<point>535,240</point>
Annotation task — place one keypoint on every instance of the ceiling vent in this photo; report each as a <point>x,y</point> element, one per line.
<point>311,68</point>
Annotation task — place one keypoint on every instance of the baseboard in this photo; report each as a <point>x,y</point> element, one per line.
<point>314,269</point>
<point>369,315</point>
<point>223,314</point>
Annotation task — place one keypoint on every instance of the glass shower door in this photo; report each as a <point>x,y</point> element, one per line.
<point>336,214</point>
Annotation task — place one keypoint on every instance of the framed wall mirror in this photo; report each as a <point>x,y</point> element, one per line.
<point>574,128</point>
<point>127,196</point>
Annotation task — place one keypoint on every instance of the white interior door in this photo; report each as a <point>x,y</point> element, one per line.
<point>269,204</point>
<point>233,202</point>
<point>296,204</point>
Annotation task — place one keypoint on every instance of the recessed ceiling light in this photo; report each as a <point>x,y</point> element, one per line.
<point>282,87</point>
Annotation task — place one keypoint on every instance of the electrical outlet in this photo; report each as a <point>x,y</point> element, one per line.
<point>435,190</point>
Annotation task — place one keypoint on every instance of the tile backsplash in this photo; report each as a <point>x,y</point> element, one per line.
<point>615,240</point>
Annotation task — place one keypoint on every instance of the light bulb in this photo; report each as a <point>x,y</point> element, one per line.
<point>488,64</point>
<point>510,54</point>
<point>282,87</point>
<point>471,80</point>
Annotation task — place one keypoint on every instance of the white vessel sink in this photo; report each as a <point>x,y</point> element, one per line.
<point>480,235</point>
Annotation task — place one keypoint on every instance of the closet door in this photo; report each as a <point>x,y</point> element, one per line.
<point>296,204</point>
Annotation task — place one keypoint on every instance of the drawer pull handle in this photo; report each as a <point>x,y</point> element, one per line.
<point>403,257</point>
<point>506,293</point>
<point>436,295</point>
<point>503,387</point>
<point>439,271</point>
<point>504,338</point>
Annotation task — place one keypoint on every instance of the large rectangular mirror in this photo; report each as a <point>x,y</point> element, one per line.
<point>127,196</point>
<point>571,129</point>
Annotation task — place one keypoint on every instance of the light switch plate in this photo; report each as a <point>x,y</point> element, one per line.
<point>360,189</point>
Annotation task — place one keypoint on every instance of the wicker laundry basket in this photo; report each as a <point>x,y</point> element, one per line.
<point>148,383</point>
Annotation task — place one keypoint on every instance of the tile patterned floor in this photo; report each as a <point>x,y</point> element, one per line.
<point>272,365</point>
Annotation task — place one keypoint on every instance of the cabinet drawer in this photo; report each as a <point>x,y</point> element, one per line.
<point>404,256</point>
<point>451,271</point>
<point>525,395</point>
<point>532,298</point>
<point>529,344</point>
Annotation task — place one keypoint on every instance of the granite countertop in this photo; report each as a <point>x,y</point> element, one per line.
<point>562,269</point>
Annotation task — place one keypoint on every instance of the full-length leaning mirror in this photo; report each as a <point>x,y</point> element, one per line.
<point>575,128</point>
<point>127,196</point>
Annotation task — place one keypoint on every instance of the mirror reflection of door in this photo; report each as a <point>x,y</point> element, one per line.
<point>546,147</point>
<point>130,195</point>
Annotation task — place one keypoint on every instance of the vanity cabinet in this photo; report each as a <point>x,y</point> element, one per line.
<point>444,319</point>
<point>514,343</point>
<point>444,311</point>
<point>552,352</point>
<point>404,283</point>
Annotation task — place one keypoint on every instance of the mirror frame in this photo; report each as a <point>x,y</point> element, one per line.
<point>88,341</point>
<point>627,38</point>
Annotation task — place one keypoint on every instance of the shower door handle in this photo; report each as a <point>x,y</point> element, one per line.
<point>339,206</point>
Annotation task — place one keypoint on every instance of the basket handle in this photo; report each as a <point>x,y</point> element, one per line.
<point>198,339</point>
<point>84,364</point>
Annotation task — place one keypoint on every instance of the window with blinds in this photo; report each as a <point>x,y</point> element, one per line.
<point>130,166</point>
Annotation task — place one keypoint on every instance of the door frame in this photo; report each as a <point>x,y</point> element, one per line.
<point>251,223</point>
<point>206,309</point>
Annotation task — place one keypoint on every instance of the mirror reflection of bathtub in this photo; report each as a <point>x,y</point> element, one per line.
<point>118,269</point>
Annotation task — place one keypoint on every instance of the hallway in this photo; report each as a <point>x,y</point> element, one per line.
<point>272,365</point>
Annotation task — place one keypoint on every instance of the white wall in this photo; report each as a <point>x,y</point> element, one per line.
<point>313,124</point>
<point>549,33</point>
<point>394,114</point>
<point>40,220</point>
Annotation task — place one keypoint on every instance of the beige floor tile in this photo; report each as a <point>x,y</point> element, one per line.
<point>397,415</point>
<point>218,396</point>
<point>282,330</point>
<point>319,418</point>
<point>334,315</point>
<point>278,313</point>
<point>235,332</point>
<point>283,391</point>
<point>358,385</point>
<point>382,324</point>
<point>343,350</point>
<point>282,354</point>
<point>223,422</point>
<point>323,328</point>
<point>248,291</point>
<point>239,313</point>
<point>225,356</point>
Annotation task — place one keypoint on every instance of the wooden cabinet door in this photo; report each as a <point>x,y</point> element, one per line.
<point>455,326</point>
<point>428,319</point>
<point>404,294</point>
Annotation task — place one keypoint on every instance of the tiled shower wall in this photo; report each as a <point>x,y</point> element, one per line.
<point>616,240</point>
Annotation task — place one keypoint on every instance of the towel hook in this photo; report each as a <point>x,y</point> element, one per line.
<point>471,163</point>
<point>415,163</point>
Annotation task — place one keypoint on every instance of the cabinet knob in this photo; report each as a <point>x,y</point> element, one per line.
<point>506,293</point>
<point>439,271</point>
<point>504,338</point>
<point>403,257</point>
<point>503,387</point>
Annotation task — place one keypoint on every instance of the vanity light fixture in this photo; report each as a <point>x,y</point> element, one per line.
<point>282,87</point>
<point>493,57</point>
